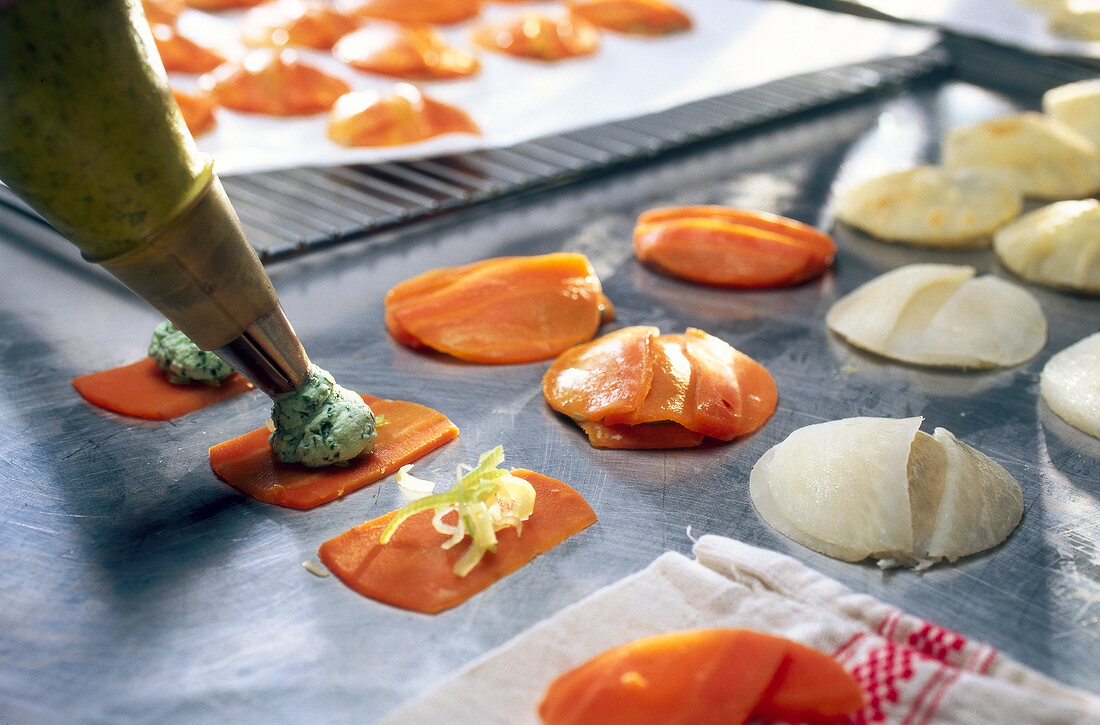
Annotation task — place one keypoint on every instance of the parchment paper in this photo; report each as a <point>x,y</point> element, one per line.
<point>734,44</point>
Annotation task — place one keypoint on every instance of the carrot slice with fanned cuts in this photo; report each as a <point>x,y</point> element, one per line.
<point>408,431</point>
<point>723,247</point>
<point>702,676</point>
<point>634,17</point>
<point>502,310</point>
<point>141,389</point>
<point>636,388</point>
<point>414,572</point>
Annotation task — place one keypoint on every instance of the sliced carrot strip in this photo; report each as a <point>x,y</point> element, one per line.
<point>141,389</point>
<point>701,676</point>
<point>731,394</point>
<point>414,572</point>
<point>636,17</point>
<point>810,685</point>
<point>731,247</point>
<point>607,377</point>
<point>659,435</point>
<point>667,397</point>
<point>502,310</point>
<point>442,12</point>
<point>698,676</point>
<point>539,36</point>
<point>409,432</point>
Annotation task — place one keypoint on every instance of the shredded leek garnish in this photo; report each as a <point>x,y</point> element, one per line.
<point>487,499</point>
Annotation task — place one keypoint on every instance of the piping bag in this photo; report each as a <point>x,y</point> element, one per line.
<point>91,138</point>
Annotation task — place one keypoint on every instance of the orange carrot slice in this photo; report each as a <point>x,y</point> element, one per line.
<point>539,36</point>
<point>409,432</point>
<point>810,685</point>
<point>630,387</point>
<point>412,571</point>
<point>732,394</point>
<point>606,378</point>
<point>275,83</point>
<point>635,17</point>
<point>180,53</point>
<point>705,676</point>
<point>142,390</point>
<point>409,51</point>
<point>367,118</point>
<point>442,12</point>
<point>644,436</point>
<point>502,310</point>
<point>726,247</point>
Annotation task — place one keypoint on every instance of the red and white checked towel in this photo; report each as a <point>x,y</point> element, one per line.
<point>913,672</point>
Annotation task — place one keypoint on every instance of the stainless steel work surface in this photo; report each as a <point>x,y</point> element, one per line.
<point>137,587</point>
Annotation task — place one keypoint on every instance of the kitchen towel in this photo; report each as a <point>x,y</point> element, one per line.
<point>913,672</point>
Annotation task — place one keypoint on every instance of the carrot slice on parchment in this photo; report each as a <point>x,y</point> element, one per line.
<point>408,432</point>
<point>141,389</point>
<point>702,676</point>
<point>501,310</point>
<point>414,572</point>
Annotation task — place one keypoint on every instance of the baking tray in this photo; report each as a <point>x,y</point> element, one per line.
<point>139,588</point>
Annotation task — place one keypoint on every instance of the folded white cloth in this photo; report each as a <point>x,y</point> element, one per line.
<point>912,671</point>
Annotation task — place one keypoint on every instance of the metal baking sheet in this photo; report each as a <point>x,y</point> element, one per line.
<point>136,587</point>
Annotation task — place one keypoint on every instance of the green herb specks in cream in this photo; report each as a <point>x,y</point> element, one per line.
<point>182,360</point>
<point>321,424</point>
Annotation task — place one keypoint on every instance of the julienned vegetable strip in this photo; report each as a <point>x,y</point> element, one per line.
<point>486,499</point>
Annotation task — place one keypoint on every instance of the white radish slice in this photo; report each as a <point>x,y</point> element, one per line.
<point>981,504</point>
<point>840,487</point>
<point>1077,105</point>
<point>1070,384</point>
<point>1057,245</point>
<point>1042,156</point>
<point>931,206</point>
<point>880,488</point>
<point>940,315</point>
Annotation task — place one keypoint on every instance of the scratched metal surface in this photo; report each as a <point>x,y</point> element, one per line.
<point>136,587</point>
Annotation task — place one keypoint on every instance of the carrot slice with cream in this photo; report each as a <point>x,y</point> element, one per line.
<point>502,310</point>
<point>726,247</point>
<point>142,390</point>
<point>707,676</point>
<point>414,572</point>
<point>408,432</point>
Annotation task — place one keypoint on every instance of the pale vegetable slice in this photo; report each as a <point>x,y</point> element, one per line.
<point>1077,105</point>
<point>1057,246</point>
<point>981,504</point>
<point>1044,157</point>
<point>941,315</point>
<point>1070,384</point>
<point>931,206</point>
<point>880,488</point>
<point>840,488</point>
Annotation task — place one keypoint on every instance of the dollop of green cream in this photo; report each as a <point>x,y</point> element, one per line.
<point>321,424</point>
<point>182,360</point>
